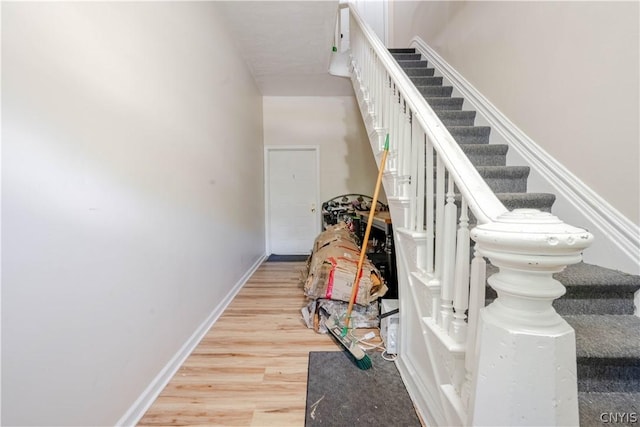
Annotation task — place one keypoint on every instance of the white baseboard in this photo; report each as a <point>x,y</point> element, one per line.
<point>585,207</point>
<point>149,395</point>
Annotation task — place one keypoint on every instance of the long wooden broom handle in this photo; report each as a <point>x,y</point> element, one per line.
<point>363,250</point>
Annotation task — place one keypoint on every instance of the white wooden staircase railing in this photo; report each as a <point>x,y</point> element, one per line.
<point>512,362</point>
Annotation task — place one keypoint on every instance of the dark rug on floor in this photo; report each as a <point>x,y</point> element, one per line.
<point>287,258</point>
<point>340,394</point>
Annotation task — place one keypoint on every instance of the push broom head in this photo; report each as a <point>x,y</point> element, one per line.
<point>360,358</point>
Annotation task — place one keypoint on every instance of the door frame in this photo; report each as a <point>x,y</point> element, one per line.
<point>267,195</point>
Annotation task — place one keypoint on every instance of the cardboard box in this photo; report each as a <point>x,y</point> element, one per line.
<point>333,265</point>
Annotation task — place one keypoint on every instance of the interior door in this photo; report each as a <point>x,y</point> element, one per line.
<point>292,199</point>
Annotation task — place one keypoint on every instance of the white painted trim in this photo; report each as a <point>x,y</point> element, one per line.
<point>267,214</point>
<point>621,231</point>
<point>149,395</point>
<point>419,393</point>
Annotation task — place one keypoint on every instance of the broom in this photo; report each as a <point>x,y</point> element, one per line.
<point>362,360</point>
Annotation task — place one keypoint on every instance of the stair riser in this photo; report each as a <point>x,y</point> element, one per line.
<point>609,375</point>
<point>419,72</point>
<point>470,135</point>
<point>402,50</point>
<point>486,154</point>
<point>483,154</point>
<point>500,185</point>
<point>435,91</point>
<point>413,64</point>
<point>487,160</point>
<point>440,104</point>
<point>457,118</point>
<point>507,185</point>
<point>542,204</point>
<point>594,306</point>
<point>427,81</point>
<point>407,56</point>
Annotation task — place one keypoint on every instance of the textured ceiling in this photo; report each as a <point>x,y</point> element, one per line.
<point>287,45</point>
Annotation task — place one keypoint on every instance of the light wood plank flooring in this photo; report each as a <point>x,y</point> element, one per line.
<point>251,367</point>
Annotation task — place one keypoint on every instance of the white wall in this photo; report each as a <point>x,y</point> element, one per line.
<point>566,73</point>
<point>375,13</point>
<point>132,201</point>
<point>334,123</point>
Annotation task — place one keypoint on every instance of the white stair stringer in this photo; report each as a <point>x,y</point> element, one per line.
<point>426,362</point>
<point>389,182</point>
<point>364,99</point>
<point>391,168</point>
<point>399,208</point>
<point>376,138</point>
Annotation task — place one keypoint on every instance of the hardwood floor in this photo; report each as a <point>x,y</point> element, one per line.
<point>251,367</point>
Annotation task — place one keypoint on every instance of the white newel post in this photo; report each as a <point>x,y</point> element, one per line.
<point>525,371</point>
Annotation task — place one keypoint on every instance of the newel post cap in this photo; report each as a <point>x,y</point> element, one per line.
<point>531,233</point>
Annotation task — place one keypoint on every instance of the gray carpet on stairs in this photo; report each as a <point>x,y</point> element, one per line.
<point>598,409</point>
<point>427,81</point>
<point>457,118</point>
<point>419,72</point>
<point>486,154</point>
<point>599,302</point>
<point>606,335</point>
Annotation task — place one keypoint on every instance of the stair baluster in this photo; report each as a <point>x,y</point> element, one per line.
<point>477,280</point>
<point>449,253</point>
<point>429,199</point>
<point>461,292</point>
<point>439,247</point>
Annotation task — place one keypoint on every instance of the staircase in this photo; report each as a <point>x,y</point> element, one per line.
<point>599,302</point>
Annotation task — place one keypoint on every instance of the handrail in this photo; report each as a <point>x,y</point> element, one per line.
<point>484,204</point>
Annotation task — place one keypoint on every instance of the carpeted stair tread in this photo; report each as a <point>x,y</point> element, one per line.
<point>595,408</point>
<point>502,179</point>
<point>426,81</point>
<point>407,56</point>
<point>605,302</point>
<point>583,274</point>
<point>412,64</point>
<point>596,290</point>
<point>445,103</point>
<point>541,201</point>
<point>486,154</point>
<point>606,336</point>
<point>505,179</point>
<point>457,118</point>
<point>435,91</point>
<point>402,50</point>
<point>503,171</point>
<point>470,134</point>
<point>608,352</point>
<point>611,375</point>
<point>419,72</point>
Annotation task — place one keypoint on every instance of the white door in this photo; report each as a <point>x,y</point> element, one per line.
<point>292,199</point>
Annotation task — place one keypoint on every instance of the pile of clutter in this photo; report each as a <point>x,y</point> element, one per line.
<point>328,281</point>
